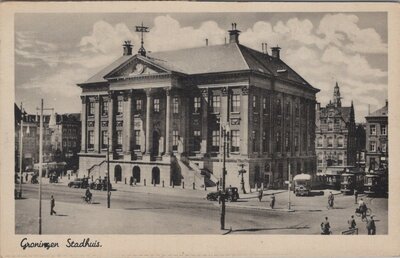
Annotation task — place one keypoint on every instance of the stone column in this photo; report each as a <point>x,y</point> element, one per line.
<point>83,124</point>
<point>111,119</point>
<point>244,122</point>
<point>97,147</point>
<point>204,121</point>
<point>148,117</point>
<point>167,121</point>
<point>127,125</point>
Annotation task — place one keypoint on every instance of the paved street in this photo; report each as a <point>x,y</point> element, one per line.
<point>157,210</point>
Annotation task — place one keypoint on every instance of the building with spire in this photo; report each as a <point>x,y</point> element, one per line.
<point>161,116</point>
<point>335,134</point>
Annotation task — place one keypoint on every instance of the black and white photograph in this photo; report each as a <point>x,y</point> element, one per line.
<point>232,123</point>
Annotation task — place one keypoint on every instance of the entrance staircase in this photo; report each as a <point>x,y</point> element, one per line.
<point>96,169</point>
<point>190,172</point>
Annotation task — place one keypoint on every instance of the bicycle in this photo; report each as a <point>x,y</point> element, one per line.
<point>330,205</point>
<point>87,199</point>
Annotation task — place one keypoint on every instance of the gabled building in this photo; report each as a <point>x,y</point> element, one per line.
<point>335,134</point>
<point>161,115</point>
<point>377,155</point>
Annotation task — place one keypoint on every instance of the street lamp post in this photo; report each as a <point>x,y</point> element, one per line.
<point>225,135</point>
<point>242,171</point>
<point>289,182</point>
<point>51,124</point>
<point>108,173</point>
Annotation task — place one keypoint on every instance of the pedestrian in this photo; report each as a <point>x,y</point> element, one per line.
<point>371,226</point>
<point>260,194</point>
<point>355,196</point>
<point>330,199</point>
<point>52,205</point>
<point>272,203</point>
<point>362,208</point>
<point>26,177</point>
<point>352,222</point>
<point>325,227</point>
<point>131,181</point>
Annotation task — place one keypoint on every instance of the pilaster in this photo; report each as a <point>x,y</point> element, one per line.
<point>244,123</point>
<point>127,125</point>
<point>83,124</point>
<point>97,147</point>
<point>204,121</point>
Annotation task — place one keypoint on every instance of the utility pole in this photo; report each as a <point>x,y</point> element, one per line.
<point>40,165</point>
<point>21,134</point>
<point>223,180</point>
<point>108,172</point>
<point>289,182</point>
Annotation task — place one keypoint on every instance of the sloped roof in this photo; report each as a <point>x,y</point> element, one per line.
<point>344,112</point>
<point>210,59</point>
<point>380,112</point>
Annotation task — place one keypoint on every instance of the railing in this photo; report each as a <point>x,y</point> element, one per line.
<point>96,165</point>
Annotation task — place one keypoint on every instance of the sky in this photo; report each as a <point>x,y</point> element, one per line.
<point>54,52</point>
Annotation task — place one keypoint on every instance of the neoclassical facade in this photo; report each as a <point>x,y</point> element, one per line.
<point>165,113</point>
<point>335,134</point>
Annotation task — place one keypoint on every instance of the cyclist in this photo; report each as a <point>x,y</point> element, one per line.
<point>325,227</point>
<point>88,195</point>
<point>330,199</point>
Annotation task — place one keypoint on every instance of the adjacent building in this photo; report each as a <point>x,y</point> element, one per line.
<point>163,116</point>
<point>335,134</point>
<point>377,155</point>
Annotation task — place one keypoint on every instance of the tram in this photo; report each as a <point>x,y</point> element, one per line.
<point>376,183</point>
<point>351,180</point>
<point>332,176</point>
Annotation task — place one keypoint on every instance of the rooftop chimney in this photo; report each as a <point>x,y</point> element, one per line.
<point>275,52</point>
<point>234,34</point>
<point>386,103</point>
<point>127,46</point>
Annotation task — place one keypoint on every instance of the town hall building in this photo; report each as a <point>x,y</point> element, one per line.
<point>162,117</point>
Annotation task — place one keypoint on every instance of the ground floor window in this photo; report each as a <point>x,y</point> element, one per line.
<point>90,139</point>
<point>215,140</point>
<point>235,141</point>
<point>175,137</point>
<point>137,140</point>
<point>104,137</point>
<point>196,140</point>
<point>119,139</point>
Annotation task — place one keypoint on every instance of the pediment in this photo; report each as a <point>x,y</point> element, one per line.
<point>135,68</point>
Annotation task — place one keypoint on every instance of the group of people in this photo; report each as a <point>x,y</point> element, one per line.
<point>271,203</point>
<point>370,225</point>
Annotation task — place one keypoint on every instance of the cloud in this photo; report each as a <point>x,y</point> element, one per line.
<point>63,82</point>
<point>342,30</point>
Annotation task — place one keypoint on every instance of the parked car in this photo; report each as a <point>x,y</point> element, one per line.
<point>79,183</point>
<point>231,194</point>
<point>100,184</point>
<point>53,178</point>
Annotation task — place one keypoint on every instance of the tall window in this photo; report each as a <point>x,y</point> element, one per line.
<point>287,141</point>
<point>119,139</point>
<point>383,130</point>
<point>320,142</point>
<point>216,103</point>
<point>235,103</point>
<point>255,104</point>
<point>265,142</point>
<point>91,108</point>
<point>372,129</point>
<point>265,105</point>
<point>119,107</point>
<point>90,139</point>
<point>138,105</point>
<point>320,160</point>
<point>196,140</point>
<point>156,105</point>
<point>340,142</point>
<point>175,136</point>
<point>330,126</point>
<point>104,136</point>
<point>288,108</point>
<point>175,106</point>
<point>278,141</point>
<point>235,141</point>
<point>384,148</point>
<point>278,107</point>
<point>340,159</point>
<point>197,104</point>
<point>104,108</point>
<point>296,143</point>
<point>137,140</point>
<point>372,146</point>
<point>215,140</point>
<point>297,110</point>
<point>254,141</point>
<point>330,142</point>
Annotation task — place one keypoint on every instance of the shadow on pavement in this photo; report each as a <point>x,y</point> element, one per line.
<point>145,208</point>
<point>266,229</point>
<point>319,193</point>
<point>62,215</point>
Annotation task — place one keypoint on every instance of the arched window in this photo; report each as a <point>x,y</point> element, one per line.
<point>320,141</point>
<point>340,142</point>
<point>330,142</point>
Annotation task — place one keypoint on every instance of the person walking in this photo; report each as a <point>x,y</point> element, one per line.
<point>325,227</point>
<point>52,205</point>
<point>331,198</point>
<point>371,226</point>
<point>272,203</point>
<point>260,195</point>
<point>352,222</point>
<point>355,196</point>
